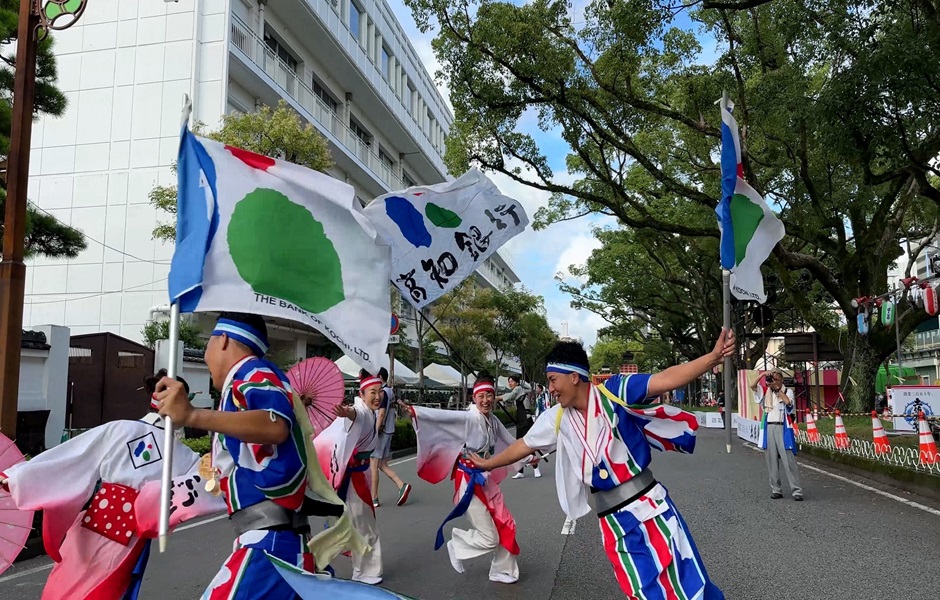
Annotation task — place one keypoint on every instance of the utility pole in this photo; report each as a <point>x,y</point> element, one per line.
<point>36,19</point>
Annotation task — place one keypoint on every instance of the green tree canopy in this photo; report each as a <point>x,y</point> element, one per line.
<point>532,343</point>
<point>45,235</point>
<point>459,323</point>
<point>837,101</point>
<point>610,351</point>
<point>276,132</point>
<point>190,334</point>
<point>499,316</point>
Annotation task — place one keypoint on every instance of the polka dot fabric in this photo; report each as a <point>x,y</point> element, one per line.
<point>111,513</point>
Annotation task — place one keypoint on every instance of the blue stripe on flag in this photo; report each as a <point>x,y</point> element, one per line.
<point>729,177</point>
<point>194,226</point>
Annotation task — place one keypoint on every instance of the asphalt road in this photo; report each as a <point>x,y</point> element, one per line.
<point>844,541</point>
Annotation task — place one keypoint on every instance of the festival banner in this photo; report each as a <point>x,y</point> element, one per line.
<point>268,237</point>
<point>440,234</point>
<point>909,401</point>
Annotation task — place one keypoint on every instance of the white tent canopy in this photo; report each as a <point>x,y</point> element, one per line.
<point>403,375</point>
<point>445,374</point>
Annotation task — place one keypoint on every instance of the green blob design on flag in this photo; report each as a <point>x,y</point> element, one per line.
<point>745,217</point>
<point>442,217</point>
<point>280,250</point>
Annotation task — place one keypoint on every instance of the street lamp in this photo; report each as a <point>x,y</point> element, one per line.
<point>36,19</point>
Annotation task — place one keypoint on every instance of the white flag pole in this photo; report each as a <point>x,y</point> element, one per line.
<point>168,438</point>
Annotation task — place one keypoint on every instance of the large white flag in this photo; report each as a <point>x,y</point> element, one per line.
<point>263,236</point>
<point>749,228</point>
<point>440,234</point>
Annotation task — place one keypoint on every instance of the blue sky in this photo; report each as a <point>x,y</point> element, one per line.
<point>537,256</point>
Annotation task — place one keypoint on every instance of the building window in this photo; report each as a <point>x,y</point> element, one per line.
<point>386,159</point>
<point>278,49</point>
<point>386,55</point>
<point>355,15</point>
<point>360,132</point>
<point>130,360</point>
<point>412,103</point>
<point>324,96</point>
<point>409,182</point>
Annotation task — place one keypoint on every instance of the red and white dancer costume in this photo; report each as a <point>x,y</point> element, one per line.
<point>445,440</point>
<point>343,450</point>
<point>97,510</point>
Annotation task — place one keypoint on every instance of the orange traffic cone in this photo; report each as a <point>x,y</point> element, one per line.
<point>811,432</point>
<point>882,446</point>
<point>795,426</point>
<point>928,447</point>
<point>842,438</point>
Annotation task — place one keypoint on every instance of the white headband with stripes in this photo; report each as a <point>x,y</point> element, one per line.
<point>566,368</point>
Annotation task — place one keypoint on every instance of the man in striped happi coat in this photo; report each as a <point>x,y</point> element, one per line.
<point>603,435</point>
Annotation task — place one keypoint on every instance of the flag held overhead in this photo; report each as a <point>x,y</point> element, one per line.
<point>749,228</point>
<point>440,234</point>
<point>268,237</point>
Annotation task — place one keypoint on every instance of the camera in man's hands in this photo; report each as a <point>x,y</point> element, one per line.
<point>768,378</point>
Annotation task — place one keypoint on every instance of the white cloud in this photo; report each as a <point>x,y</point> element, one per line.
<point>537,256</point>
<point>582,324</point>
<point>577,253</point>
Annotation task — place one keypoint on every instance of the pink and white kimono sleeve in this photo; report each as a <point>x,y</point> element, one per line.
<point>95,549</point>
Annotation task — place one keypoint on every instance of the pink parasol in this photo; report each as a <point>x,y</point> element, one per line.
<point>319,383</point>
<point>15,524</point>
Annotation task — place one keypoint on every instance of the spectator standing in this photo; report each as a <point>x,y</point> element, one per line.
<point>518,397</point>
<point>385,423</point>
<point>777,401</point>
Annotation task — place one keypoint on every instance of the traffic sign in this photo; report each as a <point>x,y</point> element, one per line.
<point>394,339</point>
<point>395,325</point>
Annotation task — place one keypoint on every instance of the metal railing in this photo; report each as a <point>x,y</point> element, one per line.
<point>287,79</point>
<point>927,340</point>
<point>907,458</point>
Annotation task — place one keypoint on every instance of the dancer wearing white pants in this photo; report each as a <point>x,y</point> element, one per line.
<point>367,567</point>
<point>344,450</point>
<point>482,539</point>
<point>447,440</point>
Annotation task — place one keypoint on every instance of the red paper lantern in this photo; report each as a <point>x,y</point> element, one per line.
<point>930,300</point>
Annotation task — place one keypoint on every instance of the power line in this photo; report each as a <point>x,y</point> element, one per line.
<point>156,262</point>
<point>133,287</point>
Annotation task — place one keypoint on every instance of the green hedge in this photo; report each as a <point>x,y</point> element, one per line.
<point>200,445</point>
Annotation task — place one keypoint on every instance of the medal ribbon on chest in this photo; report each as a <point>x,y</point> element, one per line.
<point>581,428</point>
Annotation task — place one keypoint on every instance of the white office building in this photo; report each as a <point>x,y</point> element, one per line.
<point>345,65</point>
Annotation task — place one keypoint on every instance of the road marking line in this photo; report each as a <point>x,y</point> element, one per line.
<point>894,497</point>
<point>207,521</point>
<point>26,572</point>
<point>910,503</point>
<point>404,460</point>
